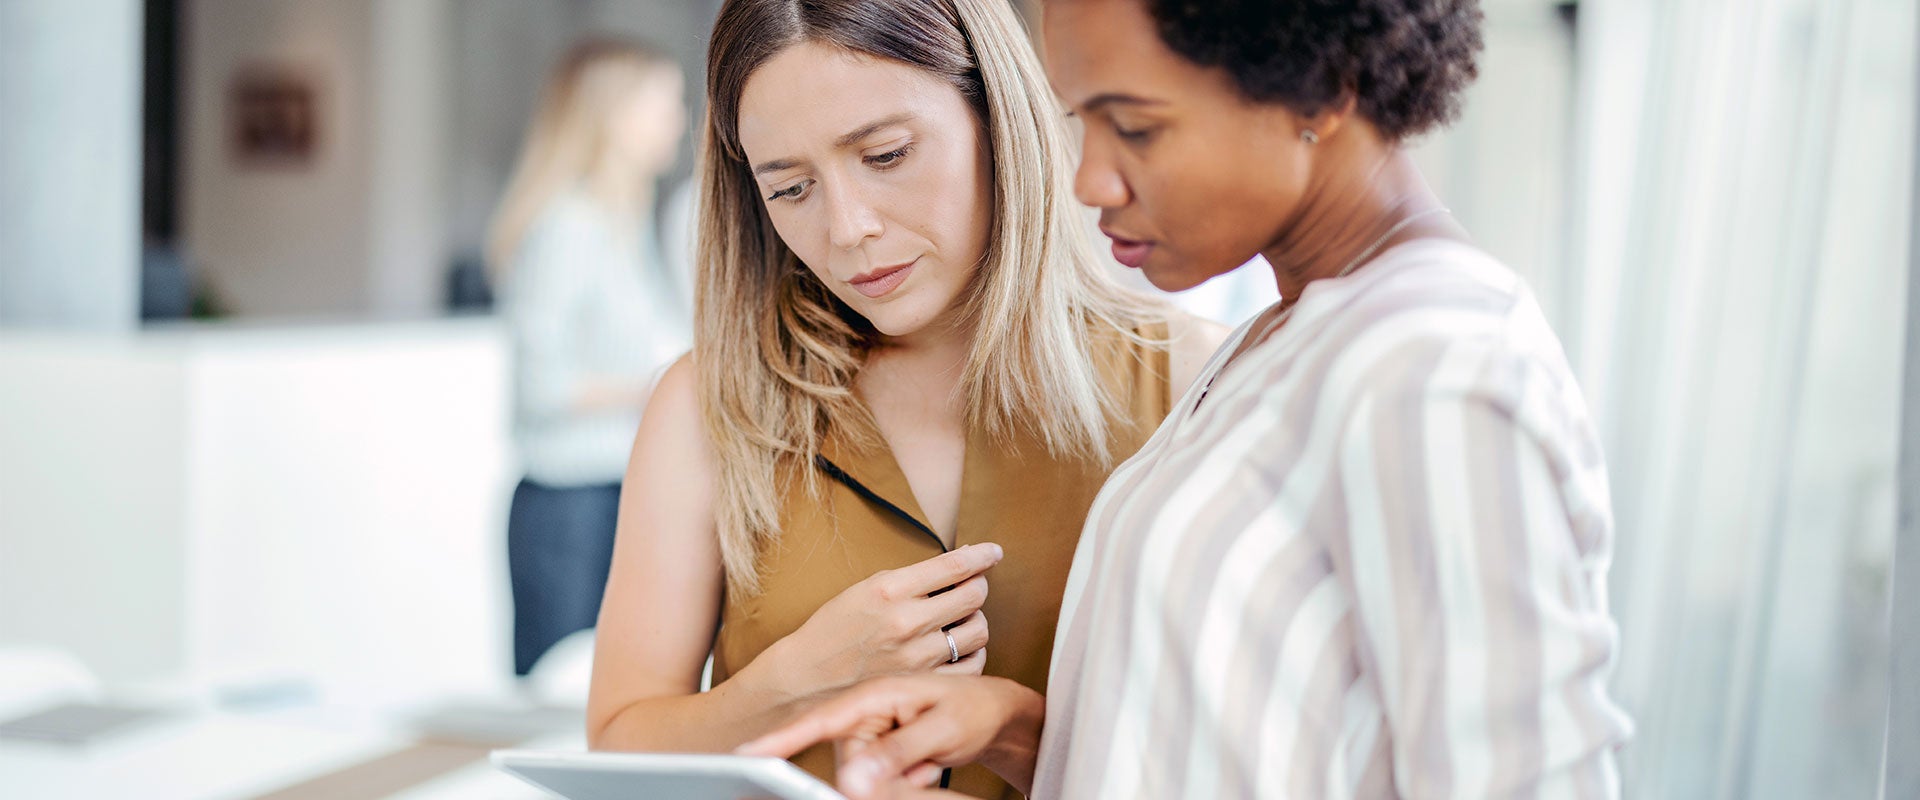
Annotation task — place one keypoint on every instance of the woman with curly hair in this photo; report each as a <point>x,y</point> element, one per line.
<point>1365,556</point>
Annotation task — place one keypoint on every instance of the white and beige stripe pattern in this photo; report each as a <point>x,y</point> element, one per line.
<point>1371,564</point>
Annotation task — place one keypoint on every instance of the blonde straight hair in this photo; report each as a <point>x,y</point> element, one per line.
<point>777,353</point>
<point>569,135</point>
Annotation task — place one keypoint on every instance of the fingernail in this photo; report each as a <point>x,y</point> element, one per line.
<point>858,775</point>
<point>998,552</point>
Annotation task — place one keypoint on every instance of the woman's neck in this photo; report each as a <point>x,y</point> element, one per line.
<point>946,340</point>
<point>620,191</point>
<point>935,353</point>
<point>1347,219</point>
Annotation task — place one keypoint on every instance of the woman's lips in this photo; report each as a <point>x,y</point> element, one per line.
<point>883,280</point>
<point>1130,252</point>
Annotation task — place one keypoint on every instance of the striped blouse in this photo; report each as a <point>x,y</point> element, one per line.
<point>1372,563</point>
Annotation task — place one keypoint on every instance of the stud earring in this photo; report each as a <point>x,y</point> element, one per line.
<point>1309,136</point>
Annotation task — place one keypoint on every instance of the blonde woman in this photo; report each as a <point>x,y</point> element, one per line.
<point>910,367</point>
<point>594,313</point>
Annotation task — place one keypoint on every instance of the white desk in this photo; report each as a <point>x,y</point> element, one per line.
<point>223,756</point>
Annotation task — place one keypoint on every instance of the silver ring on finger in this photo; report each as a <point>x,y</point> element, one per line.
<point>952,648</point>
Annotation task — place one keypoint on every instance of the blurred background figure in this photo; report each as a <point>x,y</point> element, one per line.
<point>594,309</point>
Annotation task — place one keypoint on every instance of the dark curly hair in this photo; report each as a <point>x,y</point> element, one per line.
<point>1405,62</point>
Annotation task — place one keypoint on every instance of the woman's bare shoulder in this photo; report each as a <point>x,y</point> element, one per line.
<point>1191,341</point>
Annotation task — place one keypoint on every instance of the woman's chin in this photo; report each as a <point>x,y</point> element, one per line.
<point>900,319</point>
<point>898,329</point>
<point>1174,279</point>
<point>1178,274</point>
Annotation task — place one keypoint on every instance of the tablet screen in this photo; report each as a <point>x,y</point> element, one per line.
<point>623,776</point>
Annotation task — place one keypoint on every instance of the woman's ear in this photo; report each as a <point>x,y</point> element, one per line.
<point>1328,120</point>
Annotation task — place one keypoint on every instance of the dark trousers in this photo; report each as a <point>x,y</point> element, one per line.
<point>559,547</point>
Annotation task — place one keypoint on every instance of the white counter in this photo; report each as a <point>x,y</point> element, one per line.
<point>311,504</point>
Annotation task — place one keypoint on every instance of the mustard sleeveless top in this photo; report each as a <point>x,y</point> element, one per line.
<point>1012,492</point>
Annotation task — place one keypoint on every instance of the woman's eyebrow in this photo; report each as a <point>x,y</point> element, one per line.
<point>1106,99</point>
<point>776,165</point>
<point>854,136</point>
<point>848,139</point>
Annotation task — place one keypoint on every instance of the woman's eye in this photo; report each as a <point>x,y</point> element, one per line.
<point>890,158</point>
<point>788,193</point>
<point>1134,136</point>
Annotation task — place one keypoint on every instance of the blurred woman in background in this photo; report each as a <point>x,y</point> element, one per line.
<point>594,313</point>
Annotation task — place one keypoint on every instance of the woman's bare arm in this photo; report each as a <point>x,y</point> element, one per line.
<point>662,606</point>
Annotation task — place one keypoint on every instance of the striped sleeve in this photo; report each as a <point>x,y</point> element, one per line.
<point>1479,598</point>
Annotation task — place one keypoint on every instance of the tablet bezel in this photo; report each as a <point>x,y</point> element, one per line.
<point>774,775</point>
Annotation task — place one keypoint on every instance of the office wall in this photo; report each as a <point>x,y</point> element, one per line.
<point>502,53</point>
<point>360,229</point>
<point>423,105</point>
<point>280,241</point>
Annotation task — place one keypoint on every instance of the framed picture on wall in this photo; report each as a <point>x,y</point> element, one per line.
<point>273,117</point>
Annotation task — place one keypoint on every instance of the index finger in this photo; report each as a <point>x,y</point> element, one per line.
<point>857,714</point>
<point>945,570</point>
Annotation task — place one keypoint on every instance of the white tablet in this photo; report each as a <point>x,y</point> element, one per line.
<point>627,776</point>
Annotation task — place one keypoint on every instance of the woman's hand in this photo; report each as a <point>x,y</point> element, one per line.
<point>894,735</point>
<point>894,623</point>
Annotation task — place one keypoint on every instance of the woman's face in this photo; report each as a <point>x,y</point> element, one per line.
<point>875,174</point>
<point>647,126</point>
<point>1191,180</point>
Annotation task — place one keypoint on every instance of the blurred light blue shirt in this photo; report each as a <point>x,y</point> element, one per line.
<point>587,297</point>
